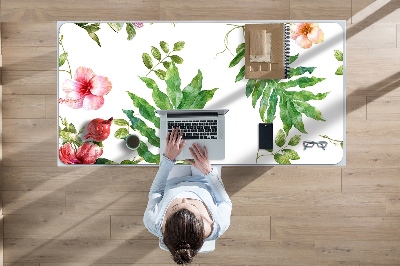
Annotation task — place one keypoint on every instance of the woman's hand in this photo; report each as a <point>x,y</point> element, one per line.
<point>174,145</point>
<point>201,161</point>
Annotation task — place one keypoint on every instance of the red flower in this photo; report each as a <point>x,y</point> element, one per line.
<point>88,153</point>
<point>86,90</point>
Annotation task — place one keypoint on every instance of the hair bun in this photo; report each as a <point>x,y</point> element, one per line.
<point>183,255</point>
<point>184,245</point>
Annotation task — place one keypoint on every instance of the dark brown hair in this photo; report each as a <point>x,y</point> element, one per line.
<point>184,235</point>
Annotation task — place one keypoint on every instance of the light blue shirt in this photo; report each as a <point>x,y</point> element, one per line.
<point>209,188</point>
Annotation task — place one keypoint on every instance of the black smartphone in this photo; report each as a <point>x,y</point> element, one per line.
<point>265,136</point>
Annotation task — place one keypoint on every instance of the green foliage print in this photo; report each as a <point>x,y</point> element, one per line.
<point>270,93</point>
<point>63,57</point>
<point>284,155</point>
<point>333,141</point>
<point>339,57</point>
<point>68,133</point>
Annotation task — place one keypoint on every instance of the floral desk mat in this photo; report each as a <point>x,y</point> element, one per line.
<point>113,76</point>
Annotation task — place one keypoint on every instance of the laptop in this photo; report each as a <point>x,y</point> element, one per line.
<point>204,127</point>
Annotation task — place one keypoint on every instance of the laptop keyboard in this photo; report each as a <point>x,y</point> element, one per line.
<point>196,129</point>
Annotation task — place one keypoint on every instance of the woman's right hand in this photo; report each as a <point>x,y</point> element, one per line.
<point>200,157</point>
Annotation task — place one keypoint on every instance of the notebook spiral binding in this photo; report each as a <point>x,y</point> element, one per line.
<point>286,48</point>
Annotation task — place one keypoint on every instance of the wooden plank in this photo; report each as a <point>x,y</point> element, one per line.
<point>373,132</point>
<point>20,58</point>
<point>21,264</point>
<point>309,204</point>
<point>29,130</point>
<point>29,82</point>
<point>249,227</point>
<point>356,108</point>
<point>223,10</point>
<point>335,228</point>
<point>30,154</point>
<point>360,155</point>
<point>359,6</point>
<point>51,106</point>
<point>332,9</point>
<point>28,34</point>
<point>284,179</point>
<point>42,10</point>
<point>369,12</point>
<point>113,264</point>
<point>393,204</point>
<point>51,226</point>
<point>24,106</point>
<point>383,108</point>
<point>364,252</point>
<point>129,227</point>
<point>384,36</point>
<point>107,203</point>
<point>33,202</point>
<point>381,180</point>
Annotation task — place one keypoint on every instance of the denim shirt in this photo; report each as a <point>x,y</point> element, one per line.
<point>209,188</point>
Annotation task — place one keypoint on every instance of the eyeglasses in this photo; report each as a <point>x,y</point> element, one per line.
<point>310,144</point>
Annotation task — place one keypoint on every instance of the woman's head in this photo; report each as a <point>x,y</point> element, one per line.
<point>184,235</point>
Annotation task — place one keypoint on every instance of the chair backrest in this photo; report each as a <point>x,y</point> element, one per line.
<point>208,246</point>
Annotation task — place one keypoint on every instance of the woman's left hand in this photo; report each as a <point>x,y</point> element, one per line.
<point>174,144</point>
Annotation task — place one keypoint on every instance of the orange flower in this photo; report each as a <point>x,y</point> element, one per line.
<point>305,34</point>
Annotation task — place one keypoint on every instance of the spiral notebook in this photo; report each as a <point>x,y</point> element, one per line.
<point>267,48</point>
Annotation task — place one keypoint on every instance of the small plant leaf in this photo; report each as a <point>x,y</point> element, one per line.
<point>179,46</point>
<point>281,158</point>
<point>166,64</point>
<point>144,152</point>
<point>280,138</point>
<point>339,71</point>
<point>296,118</point>
<point>147,61</point>
<point>130,29</point>
<point>160,73</point>
<point>308,110</point>
<point>250,85</point>
<point>104,161</point>
<point>338,55</point>
<point>145,109</point>
<point>191,91</point>
<point>264,101</point>
<point>302,82</point>
<point>240,47</point>
<point>173,82</point>
<point>160,98</point>
<point>176,59</point>
<point>240,75</point>
<point>293,58</point>
<point>295,140</point>
<point>298,71</point>
<point>239,56</point>
<point>95,38</point>
<point>291,154</point>
<point>120,122</point>
<point>139,125</point>
<point>284,114</point>
<point>305,95</point>
<point>116,26</point>
<point>164,46</point>
<point>63,57</point>
<point>272,103</point>
<point>258,90</point>
<point>156,53</point>
<point>121,133</point>
<point>202,98</point>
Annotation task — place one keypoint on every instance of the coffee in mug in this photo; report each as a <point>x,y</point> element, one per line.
<point>132,141</point>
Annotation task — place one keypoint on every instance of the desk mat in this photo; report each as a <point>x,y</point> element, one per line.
<point>120,73</point>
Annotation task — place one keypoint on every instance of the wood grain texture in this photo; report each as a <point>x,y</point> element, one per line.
<point>40,130</point>
<point>311,10</point>
<point>30,154</point>
<point>393,204</point>
<point>29,82</point>
<point>380,180</point>
<point>356,108</point>
<point>24,106</point>
<point>176,10</point>
<point>27,58</point>
<point>386,106</point>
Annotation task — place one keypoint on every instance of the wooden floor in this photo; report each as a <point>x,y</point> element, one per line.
<point>281,215</point>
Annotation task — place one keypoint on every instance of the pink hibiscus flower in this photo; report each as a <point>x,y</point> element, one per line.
<point>88,153</point>
<point>305,34</point>
<point>86,90</point>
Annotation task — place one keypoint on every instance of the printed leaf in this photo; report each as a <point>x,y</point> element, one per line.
<point>164,46</point>
<point>63,57</point>
<point>305,95</point>
<point>291,154</point>
<point>339,71</point>
<point>296,117</point>
<point>240,75</point>
<point>156,53</point>
<point>284,114</point>
<point>308,110</point>
<point>239,56</point>
<point>176,59</point>
<point>281,158</point>
<point>120,122</point>
<point>190,92</point>
<point>179,46</point>
<point>130,29</point>
<point>166,64</point>
<point>295,140</point>
<point>298,71</point>
<point>272,103</point>
<point>160,98</point>
<point>139,125</point>
<point>121,133</point>
<point>251,83</point>
<point>173,82</point>
<point>293,58</point>
<point>148,62</point>
<point>160,73</point>
<point>116,26</point>
<point>302,82</point>
<point>104,161</point>
<point>338,55</point>
<point>264,101</point>
<point>280,138</point>
<point>203,97</point>
<point>240,47</point>
<point>132,162</point>
<point>95,38</point>
<point>258,90</point>
<point>144,152</point>
<point>145,109</point>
